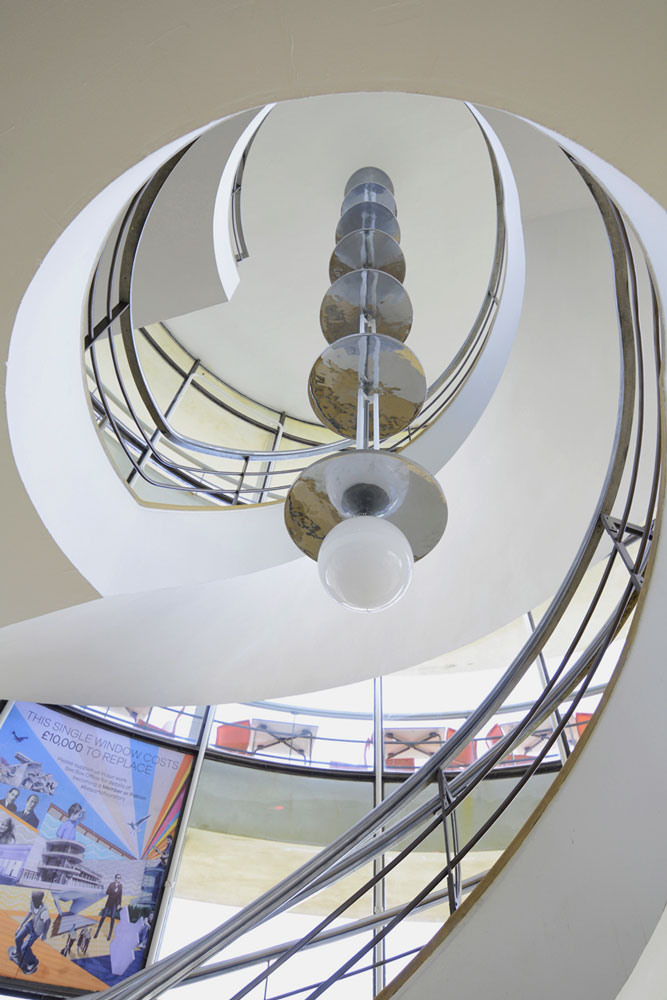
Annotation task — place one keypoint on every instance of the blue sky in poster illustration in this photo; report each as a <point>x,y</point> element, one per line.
<point>29,730</point>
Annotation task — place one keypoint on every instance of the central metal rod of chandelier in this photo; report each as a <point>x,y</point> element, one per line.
<point>364,514</point>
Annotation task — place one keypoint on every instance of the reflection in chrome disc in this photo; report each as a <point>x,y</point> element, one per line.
<point>316,501</point>
<point>367,248</point>
<point>366,301</point>
<point>387,368</point>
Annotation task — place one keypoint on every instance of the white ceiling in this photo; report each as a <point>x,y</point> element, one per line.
<point>293,187</point>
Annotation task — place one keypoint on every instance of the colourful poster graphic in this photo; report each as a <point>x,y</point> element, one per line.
<point>87,821</point>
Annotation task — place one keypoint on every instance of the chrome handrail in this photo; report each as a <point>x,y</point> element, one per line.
<point>227,486</point>
<point>435,717</point>
<point>347,930</point>
<point>386,824</point>
<point>262,756</point>
<point>235,214</point>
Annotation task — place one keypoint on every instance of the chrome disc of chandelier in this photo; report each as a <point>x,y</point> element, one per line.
<point>364,514</point>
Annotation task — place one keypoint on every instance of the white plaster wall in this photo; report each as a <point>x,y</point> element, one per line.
<point>648,978</point>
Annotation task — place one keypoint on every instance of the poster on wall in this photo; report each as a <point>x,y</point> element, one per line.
<point>87,821</point>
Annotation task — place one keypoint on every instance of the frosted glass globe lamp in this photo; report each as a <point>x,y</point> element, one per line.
<point>344,510</point>
<point>365,563</point>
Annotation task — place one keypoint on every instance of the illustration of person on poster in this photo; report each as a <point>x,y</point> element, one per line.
<point>70,942</point>
<point>9,801</point>
<point>164,852</point>
<point>28,814</point>
<point>112,905</point>
<point>87,822</point>
<point>67,829</point>
<point>35,924</point>
<point>7,835</point>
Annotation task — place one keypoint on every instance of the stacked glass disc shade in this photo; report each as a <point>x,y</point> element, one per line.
<point>364,514</point>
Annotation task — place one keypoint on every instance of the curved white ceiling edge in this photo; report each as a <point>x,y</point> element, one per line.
<point>67,473</point>
<point>187,233</point>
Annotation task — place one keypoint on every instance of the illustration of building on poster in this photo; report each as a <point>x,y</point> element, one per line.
<point>87,822</point>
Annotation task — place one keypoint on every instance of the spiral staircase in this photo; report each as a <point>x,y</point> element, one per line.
<point>581,882</point>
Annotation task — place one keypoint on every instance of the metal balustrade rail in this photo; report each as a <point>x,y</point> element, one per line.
<point>235,214</point>
<point>299,743</point>
<point>182,723</point>
<point>404,819</point>
<point>347,930</point>
<point>235,739</point>
<point>125,403</point>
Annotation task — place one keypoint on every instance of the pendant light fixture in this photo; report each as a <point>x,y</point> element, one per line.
<point>364,514</point>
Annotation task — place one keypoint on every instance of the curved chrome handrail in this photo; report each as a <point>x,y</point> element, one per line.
<point>193,478</point>
<point>387,824</point>
<point>347,930</point>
